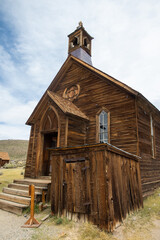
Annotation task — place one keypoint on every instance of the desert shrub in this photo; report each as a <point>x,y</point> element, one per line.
<point>58,221</point>
<point>28,209</point>
<point>10,165</point>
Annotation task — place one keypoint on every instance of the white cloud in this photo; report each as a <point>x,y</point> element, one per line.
<point>126,46</point>
<point>14,132</point>
<point>12,110</point>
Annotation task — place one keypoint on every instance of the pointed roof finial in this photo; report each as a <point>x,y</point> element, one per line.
<point>80,25</point>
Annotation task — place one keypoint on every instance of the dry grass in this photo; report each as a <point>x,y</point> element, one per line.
<point>8,175</point>
<point>138,226</point>
<point>17,149</point>
<point>88,231</point>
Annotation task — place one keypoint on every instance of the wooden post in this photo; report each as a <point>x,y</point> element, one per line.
<point>31,222</point>
<point>43,197</point>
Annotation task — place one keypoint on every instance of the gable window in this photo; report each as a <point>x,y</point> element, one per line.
<point>103,127</point>
<point>152,136</point>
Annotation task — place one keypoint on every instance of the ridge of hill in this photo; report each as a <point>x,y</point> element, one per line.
<point>17,149</point>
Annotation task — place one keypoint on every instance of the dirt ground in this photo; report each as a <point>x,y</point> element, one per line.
<point>10,228</point>
<point>148,232</point>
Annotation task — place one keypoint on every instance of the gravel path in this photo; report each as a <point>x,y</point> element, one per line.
<point>10,227</point>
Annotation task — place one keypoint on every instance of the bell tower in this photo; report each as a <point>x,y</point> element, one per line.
<point>80,44</point>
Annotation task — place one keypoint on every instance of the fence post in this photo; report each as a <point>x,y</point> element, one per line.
<point>31,222</point>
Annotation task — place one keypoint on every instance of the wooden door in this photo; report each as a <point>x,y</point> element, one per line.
<point>50,141</point>
<point>76,189</point>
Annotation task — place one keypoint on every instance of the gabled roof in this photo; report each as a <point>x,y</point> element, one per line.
<point>105,76</point>
<point>102,75</point>
<point>83,29</point>
<point>66,106</point>
<point>4,156</point>
<point>69,61</point>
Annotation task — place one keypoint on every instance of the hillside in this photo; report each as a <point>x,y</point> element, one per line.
<point>17,149</point>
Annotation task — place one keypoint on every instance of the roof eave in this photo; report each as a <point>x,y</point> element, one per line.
<point>106,76</point>
<point>148,102</point>
<point>58,75</point>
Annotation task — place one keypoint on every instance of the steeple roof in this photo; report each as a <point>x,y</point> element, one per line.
<point>80,44</point>
<point>80,27</point>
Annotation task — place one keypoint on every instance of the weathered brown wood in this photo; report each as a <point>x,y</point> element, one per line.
<point>106,185</point>
<point>109,192</point>
<point>149,165</point>
<point>94,200</point>
<point>103,188</point>
<point>4,158</point>
<point>121,108</point>
<point>66,132</point>
<point>55,189</point>
<point>31,222</point>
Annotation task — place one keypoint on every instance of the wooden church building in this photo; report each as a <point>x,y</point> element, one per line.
<point>98,138</point>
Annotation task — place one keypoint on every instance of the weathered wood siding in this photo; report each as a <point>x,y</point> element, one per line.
<point>34,160</point>
<point>96,93</point>
<point>3,162</point>
<point>99,183</point>
<point>129,122</point>
<point>29,161</point>
<point>150,166</point>
<point>76,134</point>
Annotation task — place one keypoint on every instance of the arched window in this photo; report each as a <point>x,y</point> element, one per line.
<point>103,127</point>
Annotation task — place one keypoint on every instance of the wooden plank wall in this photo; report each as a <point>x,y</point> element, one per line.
<point>2,162</point>
<point>149,165</point>
<point>102,189</point>
<point>96,93</point>
<point>35,147</point>
<point>30,153</point>
<point>76,132</point>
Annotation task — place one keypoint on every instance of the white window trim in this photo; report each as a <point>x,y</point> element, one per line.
<point>98,125</point>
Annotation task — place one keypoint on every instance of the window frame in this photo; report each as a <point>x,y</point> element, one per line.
<point>152,136</point>
<point>98,124</point>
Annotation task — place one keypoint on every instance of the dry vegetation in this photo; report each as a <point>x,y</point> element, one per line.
<point>17,149</point>
<point>8,175</point>
<point>141,225</point>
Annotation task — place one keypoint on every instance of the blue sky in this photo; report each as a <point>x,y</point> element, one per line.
<point>33,46</point>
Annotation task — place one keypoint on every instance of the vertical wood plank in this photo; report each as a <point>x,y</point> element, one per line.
<point>109,192</point>
<point>66,132</point>
<point>101,188</point>
<point>94,203</point>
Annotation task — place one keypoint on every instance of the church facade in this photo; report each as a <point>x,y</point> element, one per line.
<point>84,106</point>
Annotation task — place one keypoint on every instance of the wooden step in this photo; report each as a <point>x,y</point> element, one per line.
<point>19,192</point>
<point>25,187</point>
<point>36,182</point>
<point>45,177</point>
<point>14,198</point>
<point>12,207</point>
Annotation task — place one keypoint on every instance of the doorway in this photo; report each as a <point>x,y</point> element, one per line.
<point>50,141</point>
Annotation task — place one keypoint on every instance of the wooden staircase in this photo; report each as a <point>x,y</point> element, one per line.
<point>15,198</point>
